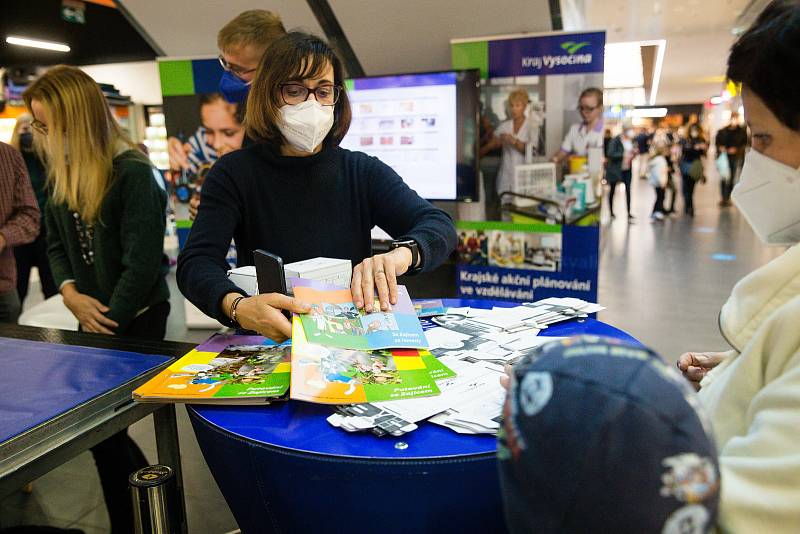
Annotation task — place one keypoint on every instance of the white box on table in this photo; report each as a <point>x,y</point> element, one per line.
<point>329,270</point>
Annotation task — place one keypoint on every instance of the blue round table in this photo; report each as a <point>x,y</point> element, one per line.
<point>284,468</point>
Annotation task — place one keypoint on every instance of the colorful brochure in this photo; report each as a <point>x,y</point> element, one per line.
<point>227,369</point>
<point>429,308</point>
<point>334,321</point>
<point>335,375</point>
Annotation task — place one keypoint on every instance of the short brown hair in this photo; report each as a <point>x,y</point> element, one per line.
<point>295,56</point>
<point>593,91</point>
<point>257,27</point>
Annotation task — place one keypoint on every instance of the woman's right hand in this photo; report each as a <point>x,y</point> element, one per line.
<point>89,311</point>
<point>178,154</point>
<point>695,365</point>
<point>262,313</point>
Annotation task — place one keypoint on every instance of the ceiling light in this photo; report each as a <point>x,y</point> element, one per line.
<point>35,43</point>
<point>647,113</point>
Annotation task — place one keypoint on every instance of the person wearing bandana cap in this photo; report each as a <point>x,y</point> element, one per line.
<point>601,435</point>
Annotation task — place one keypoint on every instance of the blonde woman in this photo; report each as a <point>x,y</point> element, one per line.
<point>32,254</point>
<point>512,135</point>
<point>105,237</point>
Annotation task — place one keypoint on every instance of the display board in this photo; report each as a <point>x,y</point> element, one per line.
<point>521,255</point>
<point>424,126</point>
<point>526,262</point>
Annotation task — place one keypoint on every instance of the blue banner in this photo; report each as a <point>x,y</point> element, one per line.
<point>571,53</point>
<point>500,262</point>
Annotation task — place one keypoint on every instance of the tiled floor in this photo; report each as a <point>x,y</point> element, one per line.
<point>660,282</point>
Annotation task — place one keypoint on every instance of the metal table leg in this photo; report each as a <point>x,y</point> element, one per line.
<point>169,452</point>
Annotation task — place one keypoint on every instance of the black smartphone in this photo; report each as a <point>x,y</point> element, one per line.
<point>270,275</point>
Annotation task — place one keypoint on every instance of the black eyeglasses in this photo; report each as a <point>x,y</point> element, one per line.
<point>587,109</point>
<point>236,70</point>
<point>295,93</point>
<point>39,126</point>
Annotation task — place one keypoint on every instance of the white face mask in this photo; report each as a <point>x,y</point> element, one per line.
<point>306,124</point>
<point>768,195</point>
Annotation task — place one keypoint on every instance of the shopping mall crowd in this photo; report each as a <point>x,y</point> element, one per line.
<point>666,155</point>
<point>78,200</point>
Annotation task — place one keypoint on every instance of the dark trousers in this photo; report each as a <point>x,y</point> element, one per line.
<point>726,186</point>
<point>626,179</point>
<point>9,307</point>
<point>34,255</point>
<point>659,204</point>
<point>673,191</point>
<point>687,188</point>
<point>119,456</point>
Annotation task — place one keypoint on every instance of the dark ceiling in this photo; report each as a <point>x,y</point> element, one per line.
<point>106,37</point>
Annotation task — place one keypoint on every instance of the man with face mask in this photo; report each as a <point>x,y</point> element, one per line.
<point>731,141</point>
<point>753,390</point>
<point>242,42</point>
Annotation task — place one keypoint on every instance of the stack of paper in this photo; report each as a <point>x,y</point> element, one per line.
<point>476,344</point>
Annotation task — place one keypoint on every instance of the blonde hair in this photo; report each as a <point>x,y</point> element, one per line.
<point>82,138</point>
<point>518,95</point>
<point>25,118</point>
<point>257,27</point>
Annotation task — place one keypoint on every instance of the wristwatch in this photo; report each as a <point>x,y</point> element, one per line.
<point>411,245</point>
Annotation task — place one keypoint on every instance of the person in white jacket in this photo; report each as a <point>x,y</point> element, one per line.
<point>657,176</point>
<point>752,391</point>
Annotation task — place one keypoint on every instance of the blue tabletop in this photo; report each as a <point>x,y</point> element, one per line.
<point>302,427</point>
<point>40,381</point>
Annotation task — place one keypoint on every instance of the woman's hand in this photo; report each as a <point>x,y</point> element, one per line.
<point>89,311</point>
<point>505,378</point>
<point>262,313</point>
<point>379,272</point>
<point>178,154</point>
<point>695,365</point>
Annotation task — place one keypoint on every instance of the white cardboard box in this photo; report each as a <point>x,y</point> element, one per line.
<point>329,270</point>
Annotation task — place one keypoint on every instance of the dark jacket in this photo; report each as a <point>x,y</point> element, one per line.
<point>128,272</point>
<point>300,208</point>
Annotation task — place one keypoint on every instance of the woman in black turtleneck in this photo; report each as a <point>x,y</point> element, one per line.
<point>297,194</point>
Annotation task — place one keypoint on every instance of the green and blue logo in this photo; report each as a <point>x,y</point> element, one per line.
<point>571,46</point>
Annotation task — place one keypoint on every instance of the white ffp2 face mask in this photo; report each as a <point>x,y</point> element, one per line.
<point>768,195</point>
<point>306,124</point>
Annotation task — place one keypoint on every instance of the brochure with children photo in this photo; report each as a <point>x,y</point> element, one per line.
<point>333,375</point>
<point>226,369</point>
<point>335,321</point>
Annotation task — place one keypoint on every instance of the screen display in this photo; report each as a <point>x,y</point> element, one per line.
<point>424,126</point>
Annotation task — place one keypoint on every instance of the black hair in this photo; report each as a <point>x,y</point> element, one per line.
<point>766,55</point>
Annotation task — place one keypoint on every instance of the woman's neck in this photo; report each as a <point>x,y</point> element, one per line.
<point>289,150</point>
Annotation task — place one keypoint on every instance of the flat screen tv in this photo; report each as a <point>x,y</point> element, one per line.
<point>424,126</point>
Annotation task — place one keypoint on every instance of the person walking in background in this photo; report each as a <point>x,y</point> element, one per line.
<point>693,149</point>
<point>19,224</point>
<point>618,168</point>
<point>657,176</point>
<point>106,222</point>
<point>33,254</point>
<point>643,142</point>
<point>731,141</point>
